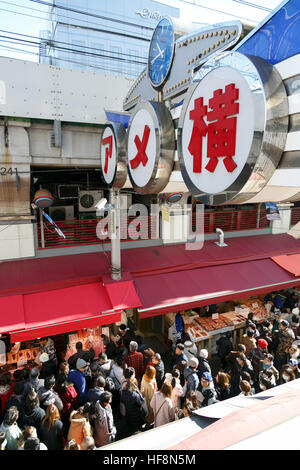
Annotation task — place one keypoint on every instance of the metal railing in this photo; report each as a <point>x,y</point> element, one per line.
<point>84,232</point>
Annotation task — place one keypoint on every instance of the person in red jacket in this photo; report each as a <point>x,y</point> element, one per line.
<point>68,395</point>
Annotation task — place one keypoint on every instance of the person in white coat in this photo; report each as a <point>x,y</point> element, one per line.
<point>162,406</point>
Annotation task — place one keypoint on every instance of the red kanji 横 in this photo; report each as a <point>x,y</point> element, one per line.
<point>141,156</point>
<point>108,141</point>
<point>221,130</point>
<point>199,131</point>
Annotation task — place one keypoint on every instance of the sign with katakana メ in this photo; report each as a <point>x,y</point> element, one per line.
<point>113,155</point>
<point>150,147</point>
<point>226,125</point>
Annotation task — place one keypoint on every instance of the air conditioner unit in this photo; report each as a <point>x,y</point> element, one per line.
<point>88,199</point>
<point>61,213</point>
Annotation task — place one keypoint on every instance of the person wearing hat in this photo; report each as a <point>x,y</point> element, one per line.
<point>48,366</point>
<point>257,354</point>
<point>203,363</point>
<point>76,376</point>
<point>190,349</point>
<point>285,340</point>
<point>191,375</point>
<point>206,393</point>
<point>293,363</point>
<point>267,363</point>
<point>81,354</point>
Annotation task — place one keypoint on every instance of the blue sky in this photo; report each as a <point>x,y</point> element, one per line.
<point>27,17</point>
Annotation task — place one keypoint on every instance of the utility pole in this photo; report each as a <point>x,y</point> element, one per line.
<point>115,234</point>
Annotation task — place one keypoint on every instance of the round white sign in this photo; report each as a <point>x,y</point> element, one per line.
<point>142,147</point>
<point>108,155</point>
<point>217,130</point>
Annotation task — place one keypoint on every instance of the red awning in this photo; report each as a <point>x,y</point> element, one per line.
<point>11,313</point>
<point>59,311</point>
<point>171,292</point>
<point>122,294</point>
<point>290,263</point>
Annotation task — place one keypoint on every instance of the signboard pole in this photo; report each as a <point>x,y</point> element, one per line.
<point>115,235</point>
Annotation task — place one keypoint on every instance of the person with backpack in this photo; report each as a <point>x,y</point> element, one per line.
<point>191,376</point>
<point>206,393</point>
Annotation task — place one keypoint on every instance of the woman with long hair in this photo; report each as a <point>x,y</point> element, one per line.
<point>148,388</point>
<point>51,430</point>
<point>162,406</point>
<point>222,386</point>
<point>177,389</point>
<point>28,432</point>
<point>31,414</point>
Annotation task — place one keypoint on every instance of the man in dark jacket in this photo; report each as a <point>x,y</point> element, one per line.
<point>87,356</point>
<point>242,364</point>
<point>48,396</point>
<point>16,398</point>
<point>160,369</point>
<point>49,366</point>
<point>35,383</point>
<point>179,354</point>
<point>224,345</point>
<point>203,363</point>
<point>95,393</point>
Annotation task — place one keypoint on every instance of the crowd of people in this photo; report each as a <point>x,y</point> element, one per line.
<point>87,402</point>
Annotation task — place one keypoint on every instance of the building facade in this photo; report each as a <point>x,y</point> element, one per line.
<point>110,37</point>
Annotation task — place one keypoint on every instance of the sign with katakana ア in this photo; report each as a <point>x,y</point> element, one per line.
<point>232,129</point>
<point>150,147</point>
<point>113,155</point>
<point>217,130</point>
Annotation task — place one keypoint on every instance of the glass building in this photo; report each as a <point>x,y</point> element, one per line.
<point>104,36</point>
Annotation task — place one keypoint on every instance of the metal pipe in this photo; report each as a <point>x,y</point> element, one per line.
<point>115,235</point>
<point>220,233</point>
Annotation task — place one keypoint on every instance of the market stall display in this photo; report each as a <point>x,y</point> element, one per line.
<point>90,338</point>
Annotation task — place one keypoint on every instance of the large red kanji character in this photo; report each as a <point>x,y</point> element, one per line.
<point>108,151</point>
<point>199,131</point>
<point>141,156</point>
<point>221,138</point>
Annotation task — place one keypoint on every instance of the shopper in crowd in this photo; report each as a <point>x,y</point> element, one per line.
<point>64,368</point>
<point>285,340</point>
<point>191,375</point>
<point>274,299</point>
<point>241,364</point>
<point>81,353</point>
<point>148,357</point>
<point>11,428</point>
<point>16,398</point>
<point>68,395</point>
<point>76,376</point>
<point>231,357</point>
<point>246,376</point>
<point>258,354</point>
<point>6,390</point>
<point>47,346</point>
<point>35,382</point>
<point>71,445</point>
<point>190,349</point>
<point>48,396</point>
<point>94,394</point>
<point>162,406</point>
<point>250,319</point>
<point>294,365</point>
<point>224,346</point>
<point>105,364</point>
<point>104,428</point>
<point>295,326</point>
<point>206,393</point>
<point>177,389</point>
<point>291,301</point>
<point>48,366</point>
<point>249,341</point>
<point>148,388</point>
<point>117,372</point>
<point>245,388</point>
<point>203,365</point>
<point>135,359</point>
<point>88,443</point>
<point>222,386</point>
<point>160,369</point>
<point>267,363</point>
<point>287,374</point>
<point>179,355</point>
<point>132,400</point>
<point>31,414</point>
<point>51,431</point>
<point>126,336</point>
<point>28,433</point>
<point>80,425</point>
